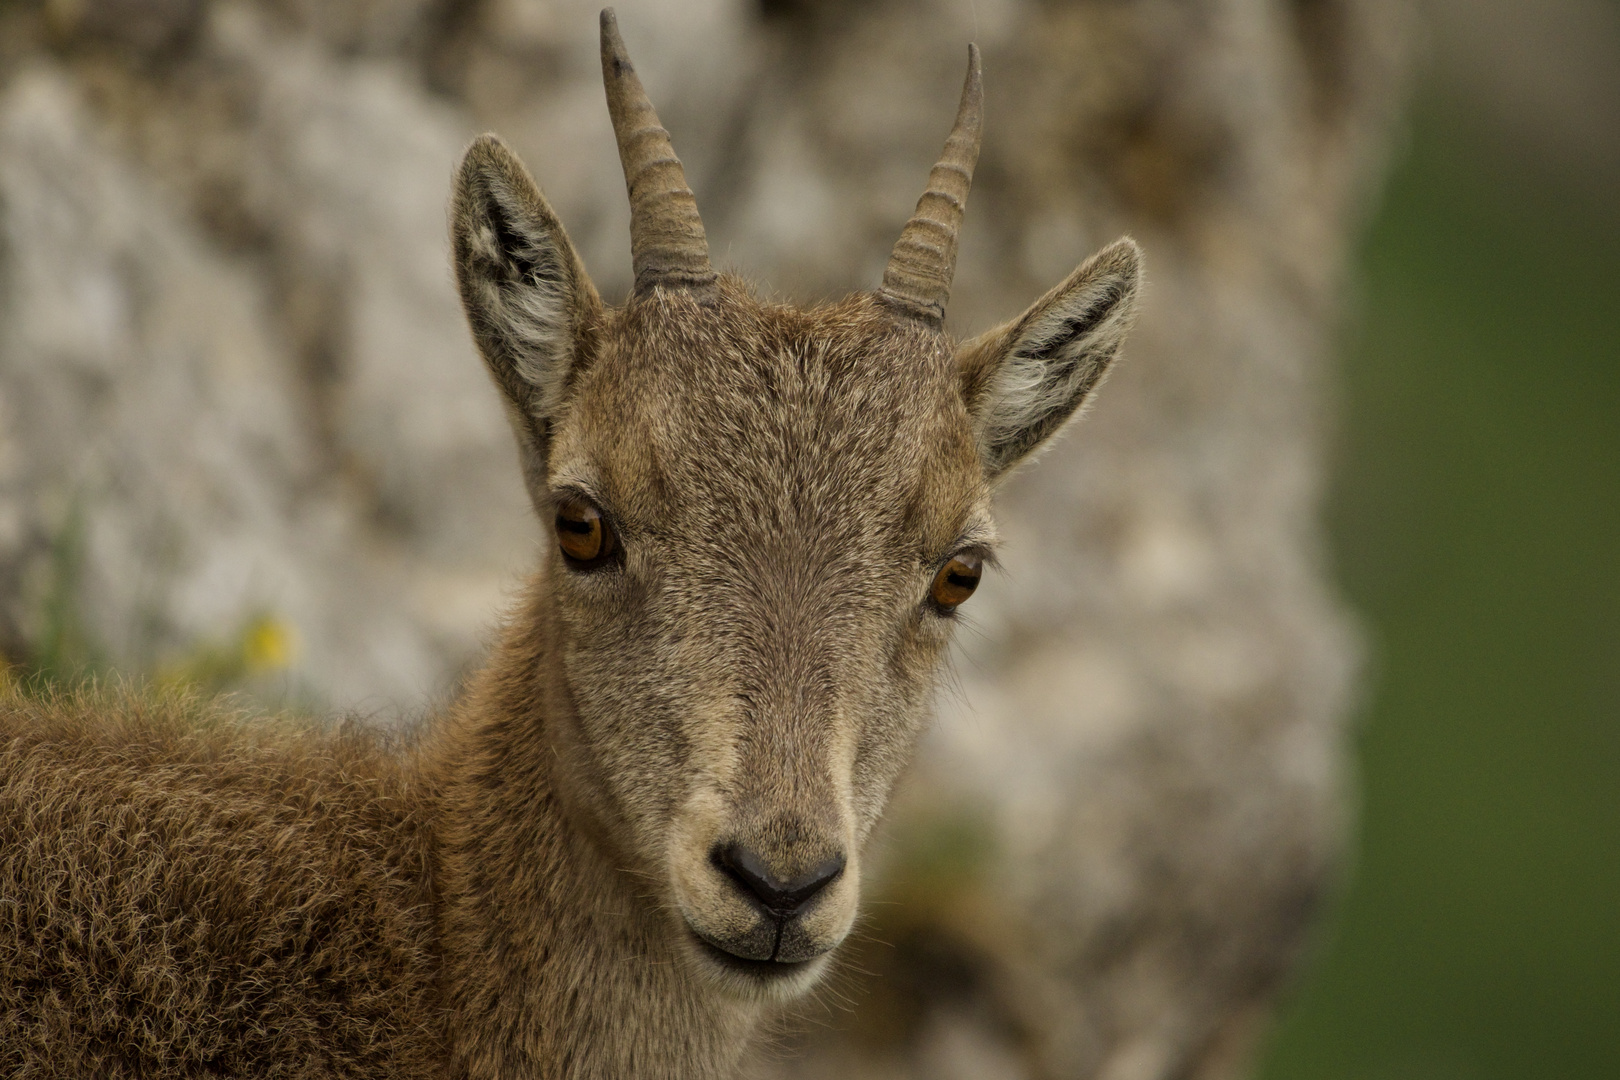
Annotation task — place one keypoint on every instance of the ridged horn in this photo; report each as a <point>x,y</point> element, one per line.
<point>918,277</point>
<point>667,243</point>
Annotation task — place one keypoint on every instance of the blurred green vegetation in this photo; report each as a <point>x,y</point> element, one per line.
<point>1476,521</point>
<point>261,648</point>
<point>65,650</point>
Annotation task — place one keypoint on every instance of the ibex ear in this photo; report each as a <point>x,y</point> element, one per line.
<point>531,306</point>
<point>1023,379</point>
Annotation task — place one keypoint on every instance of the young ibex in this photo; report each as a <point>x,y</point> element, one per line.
<point>643,825</point>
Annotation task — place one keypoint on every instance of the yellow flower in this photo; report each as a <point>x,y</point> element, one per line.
<point>268,644</point>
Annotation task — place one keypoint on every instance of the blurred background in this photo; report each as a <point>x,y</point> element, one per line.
<point>1475,525</point>
<point>1289,742</point>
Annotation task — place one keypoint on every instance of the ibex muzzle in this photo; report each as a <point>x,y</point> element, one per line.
<point>765,519</point>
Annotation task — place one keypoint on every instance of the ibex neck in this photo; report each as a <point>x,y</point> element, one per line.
<point>558,962</point>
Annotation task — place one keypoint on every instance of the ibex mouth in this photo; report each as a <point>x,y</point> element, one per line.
<point>759,969</point>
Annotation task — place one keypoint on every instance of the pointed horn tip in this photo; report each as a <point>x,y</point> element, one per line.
<point>612,43</point>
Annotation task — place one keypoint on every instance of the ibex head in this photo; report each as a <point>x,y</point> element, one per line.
<point>765,521</point>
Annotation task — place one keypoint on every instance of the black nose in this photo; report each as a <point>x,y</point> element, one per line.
<point>783,899</point>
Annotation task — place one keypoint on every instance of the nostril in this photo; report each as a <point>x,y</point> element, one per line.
<point>781,898</point>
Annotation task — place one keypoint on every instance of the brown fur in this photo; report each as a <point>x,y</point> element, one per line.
<point>531,888</point>
<point>185,893</point>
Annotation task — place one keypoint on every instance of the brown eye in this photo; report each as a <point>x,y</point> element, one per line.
<point>957,579</point>
<point>584,535</point>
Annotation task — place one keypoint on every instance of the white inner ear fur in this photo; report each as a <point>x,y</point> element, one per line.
<point>532,304</point>
<point>1055,356</point>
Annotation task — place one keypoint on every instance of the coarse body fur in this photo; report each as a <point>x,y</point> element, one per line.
<point>186,891</point>
<point>641,827</point>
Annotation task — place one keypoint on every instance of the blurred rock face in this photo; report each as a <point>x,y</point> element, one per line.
<point>233,381</point>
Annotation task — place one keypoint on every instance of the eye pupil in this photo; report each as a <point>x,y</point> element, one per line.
<point>585,538</point>
<point>957,579</point>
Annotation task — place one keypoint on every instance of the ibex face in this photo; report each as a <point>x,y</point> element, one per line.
<point>765,521</point>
